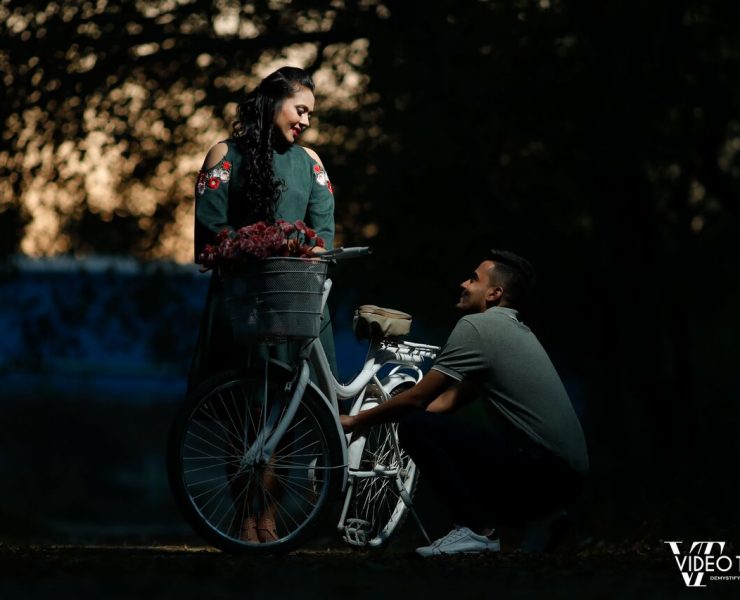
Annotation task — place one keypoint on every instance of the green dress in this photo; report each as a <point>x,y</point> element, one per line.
<point>219,203</point>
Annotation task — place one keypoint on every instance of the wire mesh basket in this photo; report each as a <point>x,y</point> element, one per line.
<point>275,299</point>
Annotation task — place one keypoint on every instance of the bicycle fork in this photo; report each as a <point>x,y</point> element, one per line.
<point>261,451</point>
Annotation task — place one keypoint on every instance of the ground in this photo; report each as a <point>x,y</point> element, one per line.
<point>83,572</point>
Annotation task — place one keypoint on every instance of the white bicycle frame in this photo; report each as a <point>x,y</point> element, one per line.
<point>405,355</point>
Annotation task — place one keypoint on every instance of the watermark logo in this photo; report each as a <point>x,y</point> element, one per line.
<point>705,561</point>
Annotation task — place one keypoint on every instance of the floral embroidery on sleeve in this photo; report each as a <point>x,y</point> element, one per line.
<point>322,178</point>
<point>213,177</point>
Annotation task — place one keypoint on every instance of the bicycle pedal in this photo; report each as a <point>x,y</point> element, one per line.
<point>356,532</point>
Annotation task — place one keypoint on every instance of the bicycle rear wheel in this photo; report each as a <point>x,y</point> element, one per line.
<point>376,509</point>
<point>221,491</point>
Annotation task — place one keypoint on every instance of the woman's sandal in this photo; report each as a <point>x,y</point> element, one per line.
<point>266,530</point>
<point>249,531</point>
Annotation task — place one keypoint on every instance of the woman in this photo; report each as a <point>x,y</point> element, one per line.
<point>259,174</point>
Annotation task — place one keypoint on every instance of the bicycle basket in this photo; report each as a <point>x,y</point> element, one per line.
<point>275,299</point>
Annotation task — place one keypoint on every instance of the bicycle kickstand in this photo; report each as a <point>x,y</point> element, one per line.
<point>410,505</point>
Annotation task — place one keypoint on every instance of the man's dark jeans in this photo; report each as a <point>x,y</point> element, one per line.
<point>485,477</point>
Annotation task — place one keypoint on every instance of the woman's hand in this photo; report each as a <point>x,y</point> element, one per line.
<point>318,250</point>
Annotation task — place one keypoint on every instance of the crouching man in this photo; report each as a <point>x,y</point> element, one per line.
<point>530,456</point>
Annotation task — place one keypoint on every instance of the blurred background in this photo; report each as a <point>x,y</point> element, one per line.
<point>600,140</point>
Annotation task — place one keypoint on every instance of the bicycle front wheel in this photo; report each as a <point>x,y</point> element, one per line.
<point>225,494</point>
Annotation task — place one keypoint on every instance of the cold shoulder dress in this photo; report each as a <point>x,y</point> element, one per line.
<point>307,194</point>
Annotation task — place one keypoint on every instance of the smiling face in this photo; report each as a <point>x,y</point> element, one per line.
<point>478,291</point>
<point>292,117</point>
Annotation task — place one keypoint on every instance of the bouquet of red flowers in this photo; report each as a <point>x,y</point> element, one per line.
<point>258,241</point>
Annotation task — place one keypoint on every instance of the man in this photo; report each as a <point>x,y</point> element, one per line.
<point>528,459</point>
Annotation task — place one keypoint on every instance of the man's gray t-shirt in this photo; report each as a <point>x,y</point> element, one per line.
<point>502,356</point>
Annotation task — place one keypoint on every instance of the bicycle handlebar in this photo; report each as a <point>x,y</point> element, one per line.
<point>342,253</point>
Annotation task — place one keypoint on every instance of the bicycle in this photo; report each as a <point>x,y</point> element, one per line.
<point>267,440</point>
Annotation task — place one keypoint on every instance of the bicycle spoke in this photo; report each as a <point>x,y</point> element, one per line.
<point>278,505</point>
<point>294,460</point>
<point>292,454</point>
<point>214,419</point>
<point>196,436</point>
<point>297,477</point>
<point>298,439</point>
<point>286,478</point>
<point>213,433</point>
<point>207,456</point>
<point>290,489</point>
<point>215,510</point>
<point>287,465</point>
<point>243,494</point>
<point>264,400</point>
<point>218,490</point>
<point>240,427</point>
<point>311,455</point>
<point>232,432</point>
<point>202,481</point>
<point>222,464</point>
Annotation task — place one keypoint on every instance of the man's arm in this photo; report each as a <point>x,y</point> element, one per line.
<point>419,396</point>
<point>453,397</point>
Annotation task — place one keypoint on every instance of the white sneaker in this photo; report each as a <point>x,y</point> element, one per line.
<point>460,540</point>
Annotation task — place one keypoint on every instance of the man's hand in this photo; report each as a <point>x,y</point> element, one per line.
<point>348,423</point>
<point>431,386</point>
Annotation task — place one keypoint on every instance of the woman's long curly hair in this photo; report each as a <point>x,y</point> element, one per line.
<point>253,133</point>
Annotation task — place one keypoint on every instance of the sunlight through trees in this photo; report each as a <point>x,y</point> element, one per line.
<point>110,107</point>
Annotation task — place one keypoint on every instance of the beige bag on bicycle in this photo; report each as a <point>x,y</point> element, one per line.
<point>374,322</point>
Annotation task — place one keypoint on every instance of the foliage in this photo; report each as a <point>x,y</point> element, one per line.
<point>109,107</point>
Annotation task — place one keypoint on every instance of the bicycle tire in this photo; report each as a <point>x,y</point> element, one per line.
<point>376,501</point>
<point>213,432</point>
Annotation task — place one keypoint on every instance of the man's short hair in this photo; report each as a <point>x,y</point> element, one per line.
<point>515,274</point>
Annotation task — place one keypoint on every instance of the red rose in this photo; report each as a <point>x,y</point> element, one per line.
<point>214,182</point>
<point>286,227</point>
<point>227,165</point>
<point>317,169</point>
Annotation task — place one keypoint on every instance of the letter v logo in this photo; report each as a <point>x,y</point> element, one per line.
<point>690,579</point>
<point>693,579</point>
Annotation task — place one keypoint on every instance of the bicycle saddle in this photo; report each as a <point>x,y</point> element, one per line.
<point>373,322</point>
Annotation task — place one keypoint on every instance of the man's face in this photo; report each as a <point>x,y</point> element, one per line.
<point>477,290</point>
